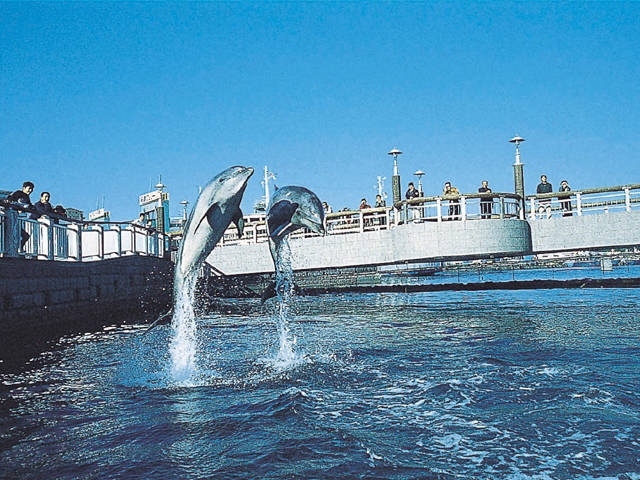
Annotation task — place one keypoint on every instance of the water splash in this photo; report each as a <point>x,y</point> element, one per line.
<point>184,368</point>
<point>287,357</point>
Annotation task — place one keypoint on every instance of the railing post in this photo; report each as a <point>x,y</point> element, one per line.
<point>77,229</point>
<point>45,224</point>
<point>118,240</point>
<point>627,199</point>
<point>100,241</point>
<point>532,211</point>
<point>502,207</point>
<point>361,219</point>
<point>439,209</point>
<point>12,233</point>
<point>463,208</point>
<point>579,203</point>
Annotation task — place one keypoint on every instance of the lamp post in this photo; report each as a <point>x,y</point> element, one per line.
<point>395,179</point>
<point>518,172</point>
<point>160,224</point>
<point>419,174</point>
<point>184,204</point>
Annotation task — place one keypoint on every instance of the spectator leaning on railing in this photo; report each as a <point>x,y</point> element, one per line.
<point>22,200</point>
<point>42,206</point>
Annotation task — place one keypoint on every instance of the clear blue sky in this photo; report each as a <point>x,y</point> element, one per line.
<point>99,99</point>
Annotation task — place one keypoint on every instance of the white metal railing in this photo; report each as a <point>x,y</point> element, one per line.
<point>50,238</point>
<point>584,202</point>
<point>429,209</point>
<point>465,207</point>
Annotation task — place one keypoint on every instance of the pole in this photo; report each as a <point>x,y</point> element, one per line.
<point>518,174</point>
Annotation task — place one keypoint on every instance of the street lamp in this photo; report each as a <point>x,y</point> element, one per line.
<point>419,174</point>
<point>518,171</point>
<point>517,140</point>
<point>160,220</point>
<point>395,179</point>
<point>184,204</point>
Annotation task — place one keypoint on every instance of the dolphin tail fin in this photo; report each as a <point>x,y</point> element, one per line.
<point>161,320</point>
<point>270,291</point>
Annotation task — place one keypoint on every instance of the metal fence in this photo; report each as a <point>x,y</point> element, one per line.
<point>68,240</point>
<point>584,202</point>
<point>464,207</point>
<point>429,209</point>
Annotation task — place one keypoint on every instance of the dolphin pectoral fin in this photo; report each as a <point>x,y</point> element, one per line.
<point>212,215</point>
<point>161,320</point>
<point>279,217</point>
<point>238,220</point>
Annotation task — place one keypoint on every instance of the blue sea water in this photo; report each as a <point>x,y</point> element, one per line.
<point>532,384</point>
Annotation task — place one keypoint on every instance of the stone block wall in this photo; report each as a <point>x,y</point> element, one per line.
<point>45,299</point>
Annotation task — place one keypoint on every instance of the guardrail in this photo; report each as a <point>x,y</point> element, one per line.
<point>584,202</point>
<point>58,238</point>
<point>465,207</point>
<point>469,207</point>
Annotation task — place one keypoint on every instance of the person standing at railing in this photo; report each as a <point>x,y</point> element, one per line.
<point>363,206</point>
<point>486,204</point>
<point>380,203</point>
<point>23,200</point>
<point>60,212</point>
<point>42,206</point>
<point>565,203</point>
<point>453,195</point>
<point>412,192</point>
<point>544,205</point>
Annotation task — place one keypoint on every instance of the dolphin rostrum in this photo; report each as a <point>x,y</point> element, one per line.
<point>217,206</point>
<point>291,208</point>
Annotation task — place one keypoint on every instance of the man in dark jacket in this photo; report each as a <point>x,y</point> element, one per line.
<point>21,197</point>
<point>42,206</point>
<point>544,205</point>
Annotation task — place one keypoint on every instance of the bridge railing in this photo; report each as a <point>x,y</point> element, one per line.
<point>591,201</point>
<point>468,207</point>
<point>57,238</point>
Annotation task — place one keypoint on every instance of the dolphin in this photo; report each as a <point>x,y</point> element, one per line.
<point>291,208</point>
<point>217,206</point>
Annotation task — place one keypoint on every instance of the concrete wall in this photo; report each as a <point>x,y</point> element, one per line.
<point>412,242</point>
<point>46,298</point>
<point>585,232</point>
<point>435,241</point>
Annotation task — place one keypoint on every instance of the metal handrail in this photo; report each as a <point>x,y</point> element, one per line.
<point>587,201</point>
<point>425,209</point>
<point>53,237</point>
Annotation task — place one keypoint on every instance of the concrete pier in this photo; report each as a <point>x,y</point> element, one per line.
<point>45,299</point>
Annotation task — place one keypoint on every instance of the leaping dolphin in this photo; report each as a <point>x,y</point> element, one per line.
<point>217,206</point>
<point>291,208</point>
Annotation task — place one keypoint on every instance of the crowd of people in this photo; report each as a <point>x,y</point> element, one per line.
<point>21,199</point>
<point>452,194</point>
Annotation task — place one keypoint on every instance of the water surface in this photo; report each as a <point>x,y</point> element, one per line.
<point>535,384</point>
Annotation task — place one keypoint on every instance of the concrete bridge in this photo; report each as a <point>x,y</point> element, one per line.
<point>448,228</point>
